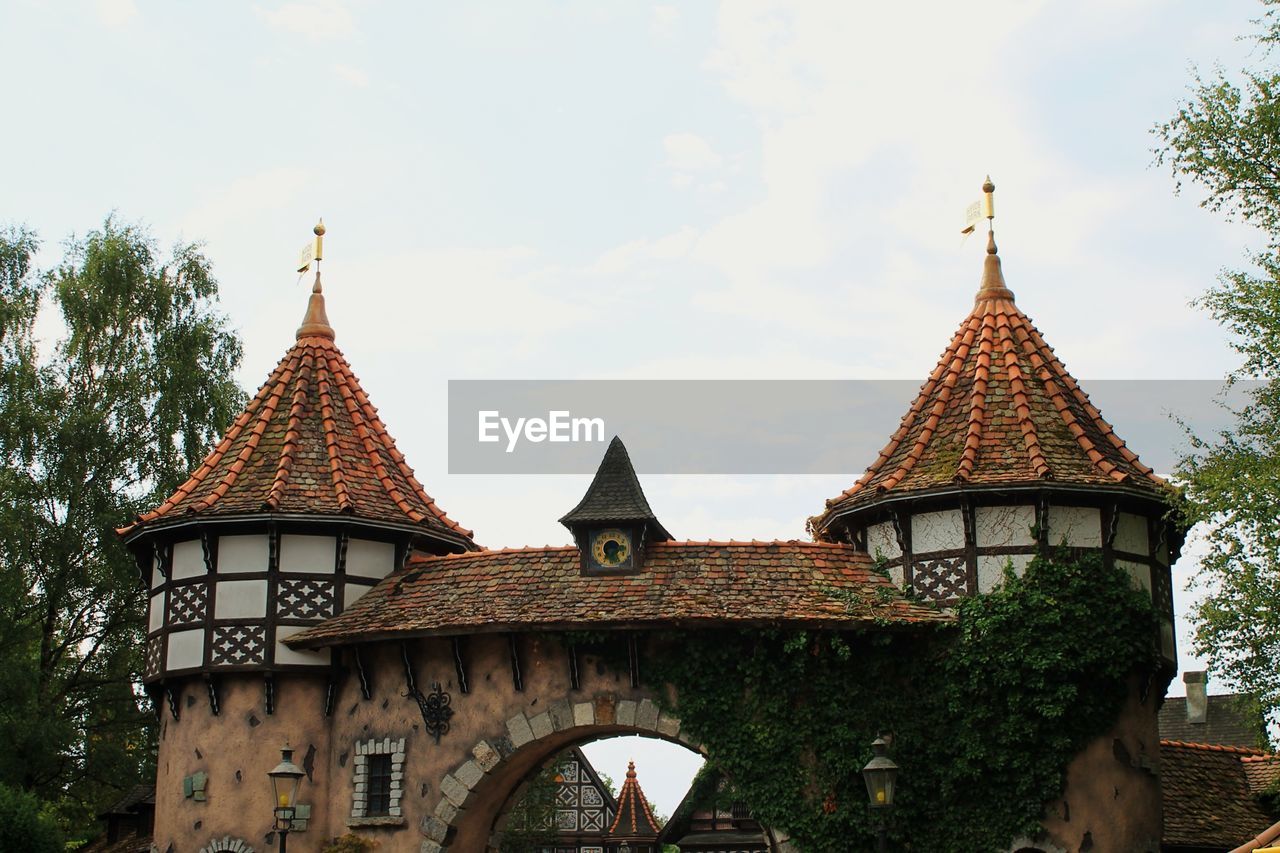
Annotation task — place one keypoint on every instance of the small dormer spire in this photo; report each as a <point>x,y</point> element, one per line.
<point>315,323</point>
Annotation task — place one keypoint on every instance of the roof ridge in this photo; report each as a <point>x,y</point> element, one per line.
<point>330,428</point>
<point>266,410</point>
<point>1221,747</point>
<point>1021,402</point>
<point>292,431</point>
<point>977,402</point>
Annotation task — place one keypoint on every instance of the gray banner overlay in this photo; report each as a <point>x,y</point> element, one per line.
<point>795,427</point>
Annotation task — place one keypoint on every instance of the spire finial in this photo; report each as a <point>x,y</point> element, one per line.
<point>992,286</point>
<point>315,323</point>
<point>631,769</point>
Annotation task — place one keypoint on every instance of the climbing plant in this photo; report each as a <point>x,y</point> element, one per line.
<point>984,715</point>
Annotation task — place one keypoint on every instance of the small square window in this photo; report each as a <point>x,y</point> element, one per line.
<point>379,796</point>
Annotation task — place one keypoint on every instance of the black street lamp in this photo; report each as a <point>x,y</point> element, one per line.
<point>286,779</point>
<point>881,776</point>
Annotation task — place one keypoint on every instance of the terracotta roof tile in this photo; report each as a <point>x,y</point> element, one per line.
<point>682,583</point>
<point>309,442</point>
<point>999,408</point>
<point>634,818</point>
<point>1207,796</point>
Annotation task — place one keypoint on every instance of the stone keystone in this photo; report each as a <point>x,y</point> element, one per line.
<point>647,715</point>
<point>584,714</point>
<point>626,715</point>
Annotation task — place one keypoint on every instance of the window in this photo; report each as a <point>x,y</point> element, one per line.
<point>378,803</point>
<point>378,782</point>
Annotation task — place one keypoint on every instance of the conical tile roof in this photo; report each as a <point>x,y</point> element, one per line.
<point>615,495</point>
<point>309,443</point>
<point>999,409</point>
<point>634,819</point>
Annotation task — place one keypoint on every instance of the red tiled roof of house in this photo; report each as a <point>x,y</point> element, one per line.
<point>309,442</point>
<point>999,408</point>
<point>682,583</point>
<point>634,819</point>
<point>1207,795</point>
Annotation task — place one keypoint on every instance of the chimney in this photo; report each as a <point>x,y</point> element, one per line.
<point>1197,699</point>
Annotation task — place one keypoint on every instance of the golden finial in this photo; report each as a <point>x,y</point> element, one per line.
<point>992,286</point>
<point>315,323</point>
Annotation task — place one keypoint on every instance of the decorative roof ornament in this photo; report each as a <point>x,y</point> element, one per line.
<point>315,323</point>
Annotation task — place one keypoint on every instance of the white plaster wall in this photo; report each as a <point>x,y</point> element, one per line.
<point>1140,573</point>
<point>351,592</point>
<point>1131,534</point>
<point>284,654</point>
<point>369,559</point>
<point>882,542</point>
<point>243,554</point>
<point>895,575</point>
<point>188,559</point>
<point>996,526</point>
<point>314,554</point>
<point>1080,526</point>
<point>241,600</point>
<point>186,649</point>
<point>937,531</point>
<point>991,569</point>
<point>156,617</point>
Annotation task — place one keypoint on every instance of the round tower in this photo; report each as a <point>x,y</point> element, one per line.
<point>302,507</point>
<point>1002,457</point>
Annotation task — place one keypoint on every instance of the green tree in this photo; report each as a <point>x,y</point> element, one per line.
<point>1226,140</point>
<point>95,426</point>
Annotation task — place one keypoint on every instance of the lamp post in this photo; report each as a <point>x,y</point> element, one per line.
<point>286,779</point>
<point>881,776</point>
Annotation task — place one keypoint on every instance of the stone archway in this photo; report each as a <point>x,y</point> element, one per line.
<point>474,793</point>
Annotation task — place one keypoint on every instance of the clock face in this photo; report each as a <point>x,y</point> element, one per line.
<point>611,549</point>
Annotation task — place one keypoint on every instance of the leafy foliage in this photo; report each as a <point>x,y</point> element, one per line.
<point>1226,139</point>
<point>94,427</point>
<point>24,826</point>
<point>531,820</point>
<point>998,704</point>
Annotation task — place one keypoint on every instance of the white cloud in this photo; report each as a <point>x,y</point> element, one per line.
<point>688,152</point>
<point>115,13</point>
<point>320,20</point>
<point>666,20</point>
<point>355,76</point>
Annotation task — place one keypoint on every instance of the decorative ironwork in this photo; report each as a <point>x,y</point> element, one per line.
<point>517,677</point>
<point>171,695</point>
<point>365,689</point>
<point>212,686</point>
<point>575,677</point>
<point>633,660</point>
<point>436,710</point>
<point>209,549</point>
<point>460,666</point>
<point>269,693</point>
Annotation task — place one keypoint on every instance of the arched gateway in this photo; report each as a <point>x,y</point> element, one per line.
<point>304,587</point>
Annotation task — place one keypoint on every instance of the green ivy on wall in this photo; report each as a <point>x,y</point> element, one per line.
<point>984,714</point>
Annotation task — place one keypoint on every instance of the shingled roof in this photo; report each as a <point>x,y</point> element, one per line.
<point>634,819</point>
<point>1208,795</point>
<point>615,495</point>
<point>999,409</point>
<point>684,583</point>
<point>309,443</point>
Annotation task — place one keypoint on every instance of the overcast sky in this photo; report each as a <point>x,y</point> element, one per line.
<point>636,190</point>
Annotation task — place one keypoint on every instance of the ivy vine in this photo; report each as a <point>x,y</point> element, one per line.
<point>984,714</point>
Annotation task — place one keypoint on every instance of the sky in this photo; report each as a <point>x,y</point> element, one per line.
<point>570,190</point>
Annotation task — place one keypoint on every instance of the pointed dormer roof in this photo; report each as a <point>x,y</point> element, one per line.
<point>634,820</point>
<point>615,496</point>
<point>310,443</point>
<point>1000,409</point>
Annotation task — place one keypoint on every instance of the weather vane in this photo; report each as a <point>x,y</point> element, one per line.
<point>980,209</point>
<point>313,251</point>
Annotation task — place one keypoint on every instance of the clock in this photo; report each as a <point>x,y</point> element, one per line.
<point>611,549</point>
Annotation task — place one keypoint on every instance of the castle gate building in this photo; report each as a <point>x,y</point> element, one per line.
<point>305,588</point>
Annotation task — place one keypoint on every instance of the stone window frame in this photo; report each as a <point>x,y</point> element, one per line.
<point>359,797</point>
